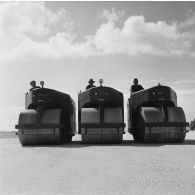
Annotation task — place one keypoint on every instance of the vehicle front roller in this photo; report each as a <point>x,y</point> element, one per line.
<point>46,130</point>
<point>158,125</point>
<point>93,131</point>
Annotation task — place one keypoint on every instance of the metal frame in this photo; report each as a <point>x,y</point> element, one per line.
<point>167,124</point>
<point>102,125</point>
<point>40,126</point>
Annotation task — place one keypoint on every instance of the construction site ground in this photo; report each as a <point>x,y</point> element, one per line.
<point>128,168</point>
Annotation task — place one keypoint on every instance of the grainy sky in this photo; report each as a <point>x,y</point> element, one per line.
<point>67,43</point>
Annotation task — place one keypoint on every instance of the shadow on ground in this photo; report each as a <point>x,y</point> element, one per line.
<point>128,143</point>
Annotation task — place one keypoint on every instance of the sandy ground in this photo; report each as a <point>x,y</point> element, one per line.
<point>129,168</point>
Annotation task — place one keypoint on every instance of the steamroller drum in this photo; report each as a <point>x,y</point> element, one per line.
<point>148,115</point>
<point>100,134</point>
<point>151,114</point>
<point>176,114</point>
<point>27,117</point>
<point>112,135</point>
<point>90,116</point>
<point>161,133</point>
<point>64,137</point>
<point>35,134</point>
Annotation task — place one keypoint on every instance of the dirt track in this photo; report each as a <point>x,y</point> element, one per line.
<point>130,168</point>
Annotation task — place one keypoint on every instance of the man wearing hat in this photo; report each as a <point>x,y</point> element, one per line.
<point>136,87</point>
<point>91,82</point>
<point>33,84</point>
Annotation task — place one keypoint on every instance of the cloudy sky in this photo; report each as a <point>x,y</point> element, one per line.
<point>67,43</point>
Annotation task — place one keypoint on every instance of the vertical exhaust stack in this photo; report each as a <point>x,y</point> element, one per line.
<point>48,118</point>
<point>153,116</point>
<point>101,115</point>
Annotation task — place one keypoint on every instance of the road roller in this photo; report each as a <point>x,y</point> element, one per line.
<point>153,116</point>
<point>101,115</point>
<point>48,118</point>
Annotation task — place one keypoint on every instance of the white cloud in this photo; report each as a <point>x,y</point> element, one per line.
<point>31,29</point>
<point>33,19</point>
<point>188,25</point>
<point>27,27</point>
<point>112,16</point>
<point>140,37</point>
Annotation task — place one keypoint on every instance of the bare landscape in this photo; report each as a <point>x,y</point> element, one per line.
<point>75,168</point>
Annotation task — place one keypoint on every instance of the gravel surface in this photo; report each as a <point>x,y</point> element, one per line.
<point>129,168</point>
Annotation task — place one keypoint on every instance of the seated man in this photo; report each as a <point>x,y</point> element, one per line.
<point>33,84</point>
<point>91,82</point>
<point>136,87</point>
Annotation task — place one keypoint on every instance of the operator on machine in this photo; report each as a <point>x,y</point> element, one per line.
<point>33,84</point>
<point>136,87</point>
<point>91,82</point>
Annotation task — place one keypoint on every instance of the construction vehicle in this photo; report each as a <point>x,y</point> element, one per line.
<point>192,125</point>
<point>49,118</point>
<point>153,116</point>
<point>101,115</point>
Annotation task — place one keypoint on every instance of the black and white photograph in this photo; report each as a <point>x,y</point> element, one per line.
<point>97,97</point>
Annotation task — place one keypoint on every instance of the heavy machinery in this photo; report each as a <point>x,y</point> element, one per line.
<point>192,125</point>
<point>49,118</point>
<point>153,116</point>
<point>101,115</point>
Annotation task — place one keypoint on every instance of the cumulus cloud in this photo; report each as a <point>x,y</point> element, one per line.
<point>32,19</point>
<point>189,24</point>
<point>140,37</point>
<point>27,27</point>
<point>30,28</point>
<point>112,16</point>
